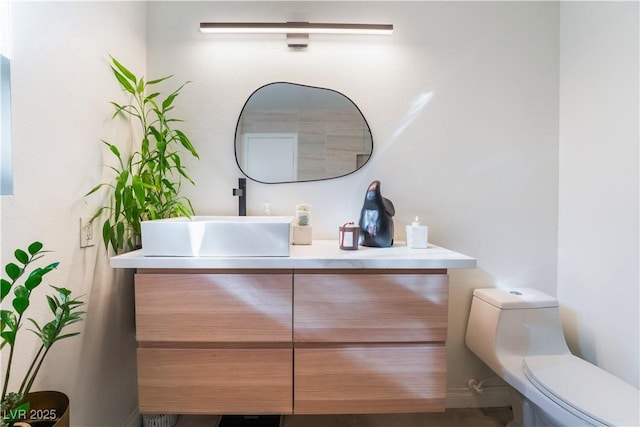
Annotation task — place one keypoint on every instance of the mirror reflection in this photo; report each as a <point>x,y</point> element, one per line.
<point>289,132</point>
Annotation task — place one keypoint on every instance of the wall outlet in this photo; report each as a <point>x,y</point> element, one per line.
<point>86,233</point>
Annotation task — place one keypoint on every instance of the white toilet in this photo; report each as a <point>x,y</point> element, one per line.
<point>518,334</point>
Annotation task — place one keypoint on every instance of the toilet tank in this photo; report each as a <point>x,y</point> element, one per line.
<point>513,322</point>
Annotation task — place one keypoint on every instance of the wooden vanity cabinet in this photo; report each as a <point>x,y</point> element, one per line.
<point>213,342</point>
<point>291,341</point>
<point>369,341</point>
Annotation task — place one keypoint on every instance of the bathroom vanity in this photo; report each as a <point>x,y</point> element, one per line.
<point>322,331</point>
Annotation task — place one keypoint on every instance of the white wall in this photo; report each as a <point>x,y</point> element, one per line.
<point>463,105</point>
<point>598,249</point>
<point>61,88</point>
<point>463,101</point>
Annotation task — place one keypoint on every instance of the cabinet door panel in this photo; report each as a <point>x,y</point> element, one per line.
<point>370,307</point>
<point>213,307</point>
<point>215,381</point>
<point>369,379</point>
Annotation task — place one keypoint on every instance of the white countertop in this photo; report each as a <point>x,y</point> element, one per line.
<point>320,254</point>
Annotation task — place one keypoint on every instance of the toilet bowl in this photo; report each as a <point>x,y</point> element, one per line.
<point>518,334</point>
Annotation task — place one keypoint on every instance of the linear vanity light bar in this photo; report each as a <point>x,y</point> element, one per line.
<point>294,28</point>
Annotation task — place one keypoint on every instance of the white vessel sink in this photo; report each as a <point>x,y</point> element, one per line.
<point>235,236</point>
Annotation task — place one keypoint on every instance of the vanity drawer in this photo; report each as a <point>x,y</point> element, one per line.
<point>372,307</point>
<point>215,381</point>
<point>370,379</point>
<point>224,308</point>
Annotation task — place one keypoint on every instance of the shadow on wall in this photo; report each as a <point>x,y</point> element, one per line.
<point>107,362</point>
<point>583,348</point>
<point>461,286</point>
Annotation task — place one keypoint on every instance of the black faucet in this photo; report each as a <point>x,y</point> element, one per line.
<point>241,192</point>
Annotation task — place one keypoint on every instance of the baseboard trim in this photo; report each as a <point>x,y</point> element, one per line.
<point>462,397</point>
<point>134,419</point>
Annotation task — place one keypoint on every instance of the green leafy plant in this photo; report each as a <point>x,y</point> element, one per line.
<point>64,309</point>
<point>147,182</point>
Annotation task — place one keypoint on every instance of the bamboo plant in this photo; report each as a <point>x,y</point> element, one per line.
<point>64,310</point>
<point>147,182</point>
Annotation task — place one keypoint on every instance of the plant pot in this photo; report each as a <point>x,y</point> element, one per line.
<point>47,409</point>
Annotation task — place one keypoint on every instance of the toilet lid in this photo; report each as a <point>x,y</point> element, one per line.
<point>515,298</point>
<point>584,389</point>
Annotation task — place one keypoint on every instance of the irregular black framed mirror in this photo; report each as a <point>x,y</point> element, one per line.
<point>289,132</point>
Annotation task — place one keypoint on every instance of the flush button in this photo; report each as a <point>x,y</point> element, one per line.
<point>515,293</point>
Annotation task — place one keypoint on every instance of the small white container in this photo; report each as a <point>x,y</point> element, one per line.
<point>302,234</point>
<point>417,235</point>
<point>303,214</point>
<point>302,231</point>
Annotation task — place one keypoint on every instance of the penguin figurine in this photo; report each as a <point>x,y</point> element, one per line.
<point>376,223</point>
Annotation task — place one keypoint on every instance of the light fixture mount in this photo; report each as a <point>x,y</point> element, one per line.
<point>297,40</point>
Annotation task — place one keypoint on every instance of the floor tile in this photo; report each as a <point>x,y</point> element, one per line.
<point>461,417</point>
